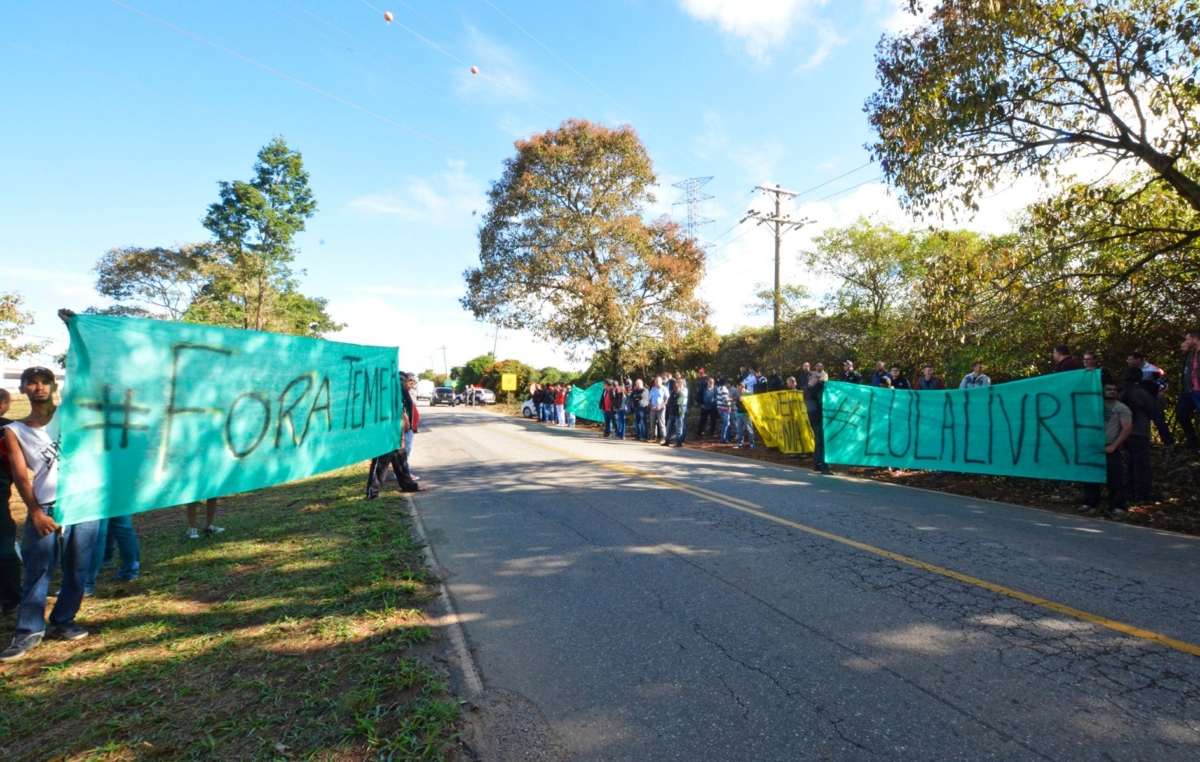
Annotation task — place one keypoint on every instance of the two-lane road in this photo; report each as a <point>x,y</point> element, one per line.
<point>630,601</point>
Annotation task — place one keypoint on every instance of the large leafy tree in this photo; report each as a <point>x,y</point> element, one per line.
<point>985,90</point>
<point>564,250</point>
<point>13,322</point>
<point>157,282</point>
<point>255,223</point>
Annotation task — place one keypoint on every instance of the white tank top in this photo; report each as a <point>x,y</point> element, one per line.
<point>40,446</point>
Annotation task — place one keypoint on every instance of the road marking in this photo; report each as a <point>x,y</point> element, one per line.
<point>753,509</point>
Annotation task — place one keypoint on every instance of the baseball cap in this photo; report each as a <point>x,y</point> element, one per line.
<point>36,370</point>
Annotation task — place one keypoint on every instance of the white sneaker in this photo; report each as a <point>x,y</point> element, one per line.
<point>210,530</point>
<point>193,534</point>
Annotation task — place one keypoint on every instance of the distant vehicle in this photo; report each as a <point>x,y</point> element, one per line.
<point>482,396</point>
<point>528,409</point>
<point>443,395</point>
<point>425,389</point>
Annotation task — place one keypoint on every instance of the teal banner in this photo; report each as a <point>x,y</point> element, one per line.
<point>585,403</point>
<point>157,413</point>
<point>1051,427</point>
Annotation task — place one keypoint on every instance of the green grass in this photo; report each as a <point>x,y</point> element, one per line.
<point>298,633</point>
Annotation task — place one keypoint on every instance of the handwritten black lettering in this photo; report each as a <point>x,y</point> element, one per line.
<point>173,409</point>
<point>262,400</point>
<point>286,414</point>
<point>1041,425</point>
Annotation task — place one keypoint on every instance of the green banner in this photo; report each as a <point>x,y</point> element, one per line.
<point>585,402</point>
<point>157,413</point>
<point>781,419</point>
<point>1051,427</point>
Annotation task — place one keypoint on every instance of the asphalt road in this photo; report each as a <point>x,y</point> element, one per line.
<point>636,602</point>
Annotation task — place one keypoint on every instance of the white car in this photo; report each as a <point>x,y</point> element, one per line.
<point>528,410</point>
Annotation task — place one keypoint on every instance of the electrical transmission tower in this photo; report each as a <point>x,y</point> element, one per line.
<point>783,223</point>
<point>692,196</point>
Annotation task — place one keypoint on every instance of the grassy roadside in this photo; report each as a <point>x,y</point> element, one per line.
<point>295,634</point>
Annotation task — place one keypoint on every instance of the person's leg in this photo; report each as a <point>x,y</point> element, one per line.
<point>713,417</point>
<point>620,421</point>
<point>561,413</point>
<point>700,424</point>
<point>10,562</point>
<point>1184,408</point>
<point>1116,482</point>
<point>210,512</point>
<point>191,514</point>
<point>1138,480</point>
<point>78,544</point>
<point>668,428</point>
<point>97,559</point>
<point>41,556</point>
<point>110,549</point>
<point>121,530</point>
<point>608,422</point>
<point>408,441</point>
<point>818,428</point>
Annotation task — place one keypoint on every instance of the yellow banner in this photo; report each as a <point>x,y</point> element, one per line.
<point>781,419</point>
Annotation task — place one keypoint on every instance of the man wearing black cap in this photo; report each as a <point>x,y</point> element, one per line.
<point>33,446</point>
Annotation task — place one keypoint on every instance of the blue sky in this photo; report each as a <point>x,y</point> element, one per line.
<point>117,128</point>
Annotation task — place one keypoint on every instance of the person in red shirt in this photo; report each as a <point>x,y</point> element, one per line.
<point>560,404</point>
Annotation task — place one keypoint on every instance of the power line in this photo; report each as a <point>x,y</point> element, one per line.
<point>834,180</point>
<point>288,77</point>
<point>846,190</point>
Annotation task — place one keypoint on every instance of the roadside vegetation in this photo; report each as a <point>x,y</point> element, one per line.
<point>298,633</point>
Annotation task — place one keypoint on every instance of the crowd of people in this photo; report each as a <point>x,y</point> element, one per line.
<point>1134,402</point>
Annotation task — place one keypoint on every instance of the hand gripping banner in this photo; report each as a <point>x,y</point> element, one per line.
<point>1050,427</point>
<point>781,419</point>
<point>157,413</point>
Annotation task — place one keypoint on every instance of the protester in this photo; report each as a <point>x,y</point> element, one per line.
<point>658,410</point>
<point>885,382</point>
<point>560,405</point>
<point>899,380</point>
<point>410,408</point>
<point>682,405</point>
<point>928,381</point>
<point>975,378</point>
<point>1091,361</point>
<point>114,535</point>
<point>773,382</point>
<point>706,399</point>
<point>791,384</point>
<point>210,515</point>
<point>1139,481</point>
<point>1154,381</point>
<point>725,411</point>
<point>1118,423</point>
<point>819,372</point>
<point>812,402</point>
<point>750,379</point>
<point>639,399</point>
<point>881,372</point>
<point>745,425</point>
<point>849,374</point>
<point>606,408</point>
<point>33,446</point>
<point>398,461</point>
<point>10,562</point>
<point>1189,390</point>
<point>569,418</point>
<point>620,408</point>
<point>760,382</point>
<point>1062,356</point>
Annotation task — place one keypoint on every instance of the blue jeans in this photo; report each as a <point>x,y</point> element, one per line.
<point>608,422</point>
<point>728,425</point>
<point>116,531</point>
<point>619,423</point>
<point>72,549</point>
<point>570,419</point>
<point>639,423</point>
<point>680,430</point>
<point>745,429</point>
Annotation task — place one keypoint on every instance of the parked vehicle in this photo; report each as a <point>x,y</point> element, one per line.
<point>443,395</point>
<point>425,389</point>
<point>528,409</point>
<point>482,396</point>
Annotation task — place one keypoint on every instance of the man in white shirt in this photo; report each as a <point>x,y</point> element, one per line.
<point>33,445</point>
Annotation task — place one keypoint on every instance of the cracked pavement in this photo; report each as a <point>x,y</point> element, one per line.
<point>644,622</point>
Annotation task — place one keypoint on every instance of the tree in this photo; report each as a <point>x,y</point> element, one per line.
<point>984,91</point>
<point>471,373</point>
<point>13,321</point>
<point>254,225</point>
<point>565,253</point>
<point>157,282</point>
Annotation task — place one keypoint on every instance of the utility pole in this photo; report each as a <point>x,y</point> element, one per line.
<point>445,365</point>
<point>783,223</point>
<point>495,342</point>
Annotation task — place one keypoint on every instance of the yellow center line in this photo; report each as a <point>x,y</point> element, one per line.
<point>753,509</point>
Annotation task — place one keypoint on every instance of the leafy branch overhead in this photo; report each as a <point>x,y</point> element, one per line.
<point>985,91</point>
<point>565,252</point>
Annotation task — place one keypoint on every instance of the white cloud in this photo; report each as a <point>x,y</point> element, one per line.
<point>759,24</point>
<point>447,201</point>
<point>828,40</point>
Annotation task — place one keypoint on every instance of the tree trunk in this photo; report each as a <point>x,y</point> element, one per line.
<point>615,356</point>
